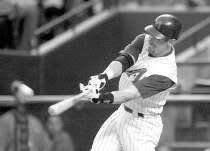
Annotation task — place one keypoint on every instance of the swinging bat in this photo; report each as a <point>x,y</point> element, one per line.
<point>62,106</point>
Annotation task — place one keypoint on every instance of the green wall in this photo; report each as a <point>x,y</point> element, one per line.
<point>61,70</point>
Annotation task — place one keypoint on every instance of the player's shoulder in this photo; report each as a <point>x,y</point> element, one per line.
<point>165,69</point>
<point>140,36</point>
<point>164,64</point>
<point>139,41</point>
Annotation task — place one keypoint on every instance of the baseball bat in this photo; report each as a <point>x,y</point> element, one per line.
<point>62,106</point>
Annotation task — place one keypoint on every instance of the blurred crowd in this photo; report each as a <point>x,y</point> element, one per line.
<point>21,130</point>
<point>20,18</point>
<point>26,132</point>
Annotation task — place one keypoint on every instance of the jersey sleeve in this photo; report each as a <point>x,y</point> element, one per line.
<point>135,47</point>
<point>153,84</point>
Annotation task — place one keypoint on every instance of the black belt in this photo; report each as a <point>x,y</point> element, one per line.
<point>131,111</point>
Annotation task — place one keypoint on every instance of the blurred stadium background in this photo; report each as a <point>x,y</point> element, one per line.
<point>53,68</point>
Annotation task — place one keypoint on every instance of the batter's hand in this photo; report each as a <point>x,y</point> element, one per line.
<point>92,92</point>
<point>98,81</point>
<point>93,95</point>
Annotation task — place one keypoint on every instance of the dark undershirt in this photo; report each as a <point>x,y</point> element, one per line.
<point>130,54</point>
<point>135,47</point>
<point>153,84</point>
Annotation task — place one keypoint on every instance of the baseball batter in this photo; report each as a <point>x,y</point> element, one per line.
<point>148,72</point>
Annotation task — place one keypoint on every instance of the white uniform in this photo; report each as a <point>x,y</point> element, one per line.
<point>126,131</point>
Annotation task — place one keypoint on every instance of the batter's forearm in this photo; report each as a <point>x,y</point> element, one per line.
<point>125,95</point>
<point>113,70</point>
<point>118,97</point>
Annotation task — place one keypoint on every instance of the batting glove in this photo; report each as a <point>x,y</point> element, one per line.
<point>98,81</point>
<point>91,91</point>
<point>107,97</point>
<point>94,96</point>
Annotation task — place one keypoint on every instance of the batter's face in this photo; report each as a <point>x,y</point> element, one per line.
<point>158,48</point>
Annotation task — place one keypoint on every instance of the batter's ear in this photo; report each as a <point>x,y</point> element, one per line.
<point>172,41</point>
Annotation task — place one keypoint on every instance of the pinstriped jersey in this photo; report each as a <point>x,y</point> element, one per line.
<point>144,67</point>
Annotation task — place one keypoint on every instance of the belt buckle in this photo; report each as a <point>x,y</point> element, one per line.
<point>137,114</point>
<point>141,115</point>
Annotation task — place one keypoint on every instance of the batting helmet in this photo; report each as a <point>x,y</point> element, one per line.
<point>166,26</point>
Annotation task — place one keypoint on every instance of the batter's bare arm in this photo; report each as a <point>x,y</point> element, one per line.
<point>126,59</point>
<point>125,95</point>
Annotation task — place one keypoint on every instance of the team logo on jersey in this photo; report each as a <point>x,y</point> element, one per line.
<point>135,75</point>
